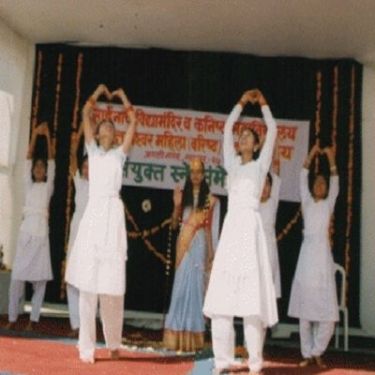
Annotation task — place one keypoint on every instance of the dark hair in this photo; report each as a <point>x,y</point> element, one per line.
<point>81,161</point>
<point>256,140</point>
<point>187,195</point>
<point>312,179</point>
<point>45,163</point>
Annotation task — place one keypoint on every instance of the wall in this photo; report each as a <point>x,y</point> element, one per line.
<point>367,296</point>
<point>16,70</point>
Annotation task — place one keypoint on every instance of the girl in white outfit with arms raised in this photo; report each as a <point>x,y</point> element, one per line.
<point>241,280</point>
<point>96,265</point>
<point>313,298</point>
<point>33,261</point>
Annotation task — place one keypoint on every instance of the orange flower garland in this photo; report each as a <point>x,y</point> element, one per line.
<point>148,244</point>
<point>333,137</point>
<point>35,108</point>
<point>350,173</point>
<point>318,97</point>
<point>70,184</point>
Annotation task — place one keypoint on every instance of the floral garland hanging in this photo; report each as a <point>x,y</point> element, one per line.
<point>70,181</point>
<point>35,108</point>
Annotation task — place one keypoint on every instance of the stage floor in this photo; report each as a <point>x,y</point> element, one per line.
<point>49,350</point>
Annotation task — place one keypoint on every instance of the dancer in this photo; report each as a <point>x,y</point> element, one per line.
<point>313,298</point>
<point>96,265</point>
<point>185,325</point>
<point>79,171</point>
<point>33,261</point>
<point>241,280</point>
<point>269,202</point>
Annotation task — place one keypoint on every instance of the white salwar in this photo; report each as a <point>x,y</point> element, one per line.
<point>268,212</point>
<point>96,265</point>
<point>112,315</point>
<point>313,297</point>
<point>33,261</point>
<point>81,197</point>
<point>241,279</point>
<point>315,337</point>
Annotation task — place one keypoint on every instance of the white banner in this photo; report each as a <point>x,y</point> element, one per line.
<point>167,139</point>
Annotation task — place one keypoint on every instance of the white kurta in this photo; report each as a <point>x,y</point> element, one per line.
<point>97,260</point>
<point>33,260</point>
<point>241,278</point>
<point>81,198</point>
<point>268,212</point>
<point>313,296</point>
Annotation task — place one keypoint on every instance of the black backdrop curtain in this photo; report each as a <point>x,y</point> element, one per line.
<point>326,92</point>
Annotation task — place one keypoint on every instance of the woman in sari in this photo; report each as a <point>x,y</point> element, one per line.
<point>198,209</point>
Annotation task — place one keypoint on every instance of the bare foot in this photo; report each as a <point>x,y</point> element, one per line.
<point>240,366</point>
<point>30,326</point>
<point>73,333</point>
<point>114,354</point>
<point>319,361</point>
<point>306,362</point>
<point>90,360</point>
<point>10,325</point>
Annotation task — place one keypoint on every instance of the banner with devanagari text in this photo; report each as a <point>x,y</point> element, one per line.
<point>167,139</point>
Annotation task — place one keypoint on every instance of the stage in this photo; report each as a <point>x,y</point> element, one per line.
<point>49,350</point>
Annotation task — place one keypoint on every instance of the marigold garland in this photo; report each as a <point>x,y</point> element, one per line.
<point>290,225</point>
<point>333,137</point>
<point>148,244</point>
<point>148,232</point>
<point>57,95</point>
<point>318,97</point>
<point>70,180</point>
<point>35,109</point>
<point>350,174</point>
<point>318,113</point>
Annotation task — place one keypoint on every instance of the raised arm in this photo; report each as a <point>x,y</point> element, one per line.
<point>51,158</point>
<point>331,160</point>
<point>50,147</point>
<point>29,164</point>
<point>304,185</point>
<point>51,175</point>
<point>304,177</point>
<point>315,150</point>
<point>34,135</point>
<point>229,150</point>
<point>87,110</point>
<point>265,157</point>
<point>276,185</point>
<point>275,167</point>
<point>38,130</point>
<point>75,139</point>
<point>130,131</point>
<point>334,179</point>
